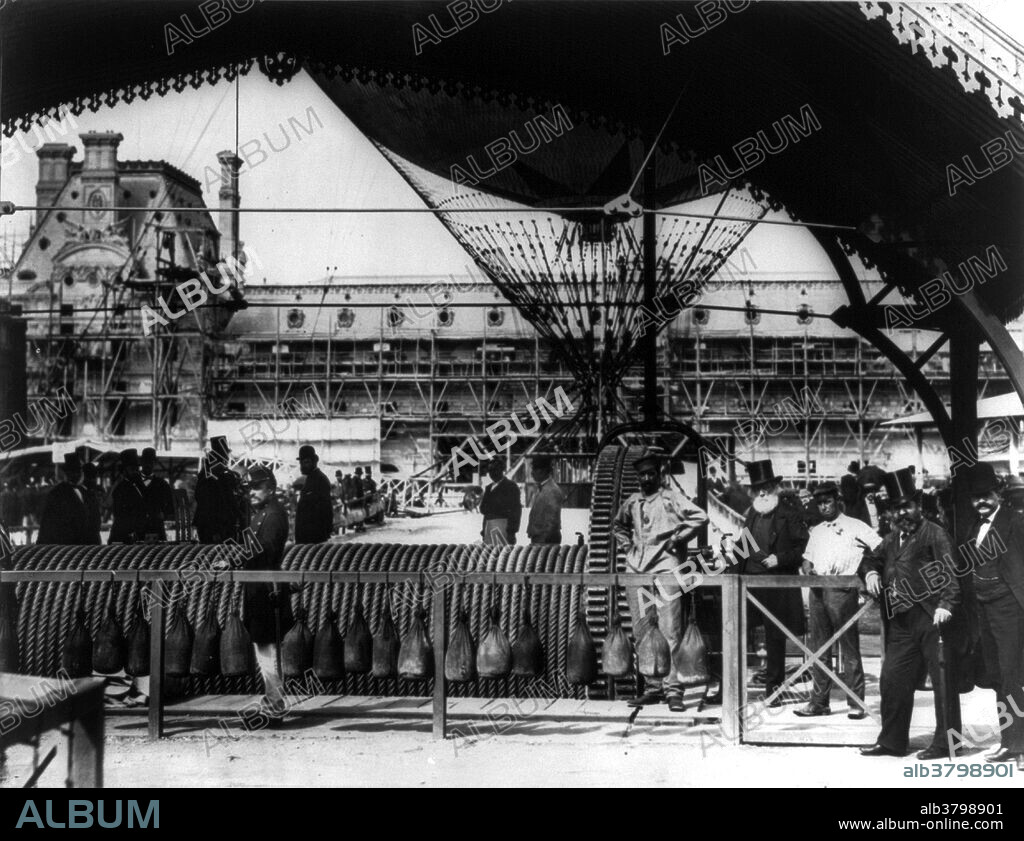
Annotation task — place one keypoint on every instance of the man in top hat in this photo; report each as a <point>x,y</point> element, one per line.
<point>355,500</point>
<point>652,527</point>
<point>129,501</point>
<point>221,507</point>
<point>65,517</point>
<point>545,522</point>
<point>1013,493</point>
<point>774,537</point>
<point>267,607</point>
<point>314,515</point>
<point>836,546</point>
<point>158,498</point>
<point>501,506</point>
<point>997,541</point>
<point>910,567</point>
<point>93,501</point>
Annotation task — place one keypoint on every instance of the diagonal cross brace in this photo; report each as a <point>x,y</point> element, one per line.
<point>814,656</point>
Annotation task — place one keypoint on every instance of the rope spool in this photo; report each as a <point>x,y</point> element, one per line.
<point>47,609</point>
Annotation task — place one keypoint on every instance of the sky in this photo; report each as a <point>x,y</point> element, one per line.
<point>334,166</point>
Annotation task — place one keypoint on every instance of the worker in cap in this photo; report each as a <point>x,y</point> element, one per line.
<point>65,519</point>
<point>836,546</point>
<point>314,514</point>
<point>916,604</point>
<point>997,536</point>
<point>222,509</point>
<point>501,506</point>
<point>268,612</point>
<point>544,525</point>
<point>158,498</point>
<point>129,502</point>
<point>652,528</point>
<point>773,539</point>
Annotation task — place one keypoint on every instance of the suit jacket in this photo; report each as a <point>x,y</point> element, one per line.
<point>270,525</point>
<point>545,523</point>
<point>220,509</point>
<point>129,512</point>
<point>159,506</point>
<point>314,515</point>
<point>908,573</point>
<point>787,537</point>
<point>501,502</point>
<point>93,503</point>
<point>1004,555</point>
<point>65,518</point>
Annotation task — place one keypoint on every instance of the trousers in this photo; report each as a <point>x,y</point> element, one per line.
<point>1002,639</point>
<point>913,644</point>
<point>830,610</point>
<point>669,599</point>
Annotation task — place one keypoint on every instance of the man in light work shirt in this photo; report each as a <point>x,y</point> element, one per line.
<point>646,522</point>
<point>545,523</point>
<point>836,547</point>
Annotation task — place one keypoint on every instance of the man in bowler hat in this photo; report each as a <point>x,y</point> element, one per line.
<point>65,518</point>
<point>129,499</point>
<point>996,543</point>
<point>267,607</point>
<point>314,515</point>
<point>910,570</point>
<point>836,547</point>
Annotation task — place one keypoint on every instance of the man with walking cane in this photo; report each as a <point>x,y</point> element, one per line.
<point>268,607</point>
<point>919,596</point>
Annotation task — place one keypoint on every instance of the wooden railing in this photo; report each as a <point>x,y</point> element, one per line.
<point>734,598</point>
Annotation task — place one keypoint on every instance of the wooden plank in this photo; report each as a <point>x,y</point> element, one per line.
<point>440,628</point>
<point>156,660</point>
<point>86,740</point>
<point>734,651</point>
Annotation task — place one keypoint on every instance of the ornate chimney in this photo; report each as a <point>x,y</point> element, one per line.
<point>229,202</point>
<point>54,161</point>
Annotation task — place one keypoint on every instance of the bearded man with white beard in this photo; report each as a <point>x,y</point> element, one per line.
<point>778,535</point>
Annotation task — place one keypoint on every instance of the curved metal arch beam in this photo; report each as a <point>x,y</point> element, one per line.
<point>853,316</point>
<point>993,331</point>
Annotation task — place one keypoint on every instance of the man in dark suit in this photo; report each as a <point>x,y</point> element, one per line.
<point>996,544</point>
<point>65,517</point>
<point>267,607</point>
<point>158,498</point>
<point>501,506</point>
<point>911,567</point>
<point>778,535</point>
<point>314,515</point>
<point>93,501</point>
<point>221,508</point>
<point>129,502</point>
